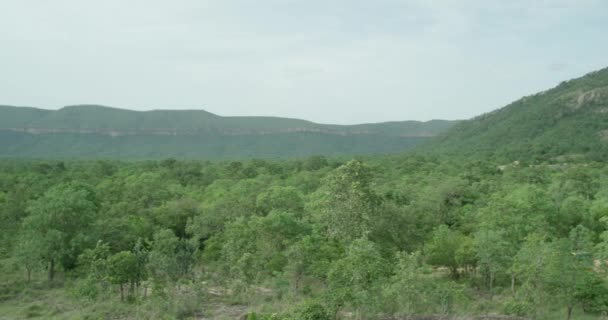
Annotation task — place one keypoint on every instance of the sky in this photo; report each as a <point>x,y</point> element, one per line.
<point>329,61</point>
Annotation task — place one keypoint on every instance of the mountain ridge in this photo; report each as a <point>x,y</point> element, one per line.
<point>72,119</point>
<point>569,120</point>
<point>93,131</point>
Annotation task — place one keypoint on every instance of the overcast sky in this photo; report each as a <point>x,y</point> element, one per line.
<point>340,61</point>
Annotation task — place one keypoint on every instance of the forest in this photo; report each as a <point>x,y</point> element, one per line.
<point>377,237</point>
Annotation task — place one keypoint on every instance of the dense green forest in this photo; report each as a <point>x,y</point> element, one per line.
<point>314,238</point>
<point>94,132</point>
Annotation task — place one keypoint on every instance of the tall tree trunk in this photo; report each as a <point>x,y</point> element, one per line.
<point>569,312</point>
<point>122,292</point>
<point>297,284</point>
<point>540,293</point>
<point>513,284</point>
<point>51,269</point>
<point>455,273</point>
<point>491,285</point>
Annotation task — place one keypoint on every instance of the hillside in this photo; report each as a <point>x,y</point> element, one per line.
<point>570,120</point>
<point>98,131</point>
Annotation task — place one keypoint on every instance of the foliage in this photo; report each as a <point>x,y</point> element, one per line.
<point>559,124</point>
<point>316,238</point>
<point>56,225</point>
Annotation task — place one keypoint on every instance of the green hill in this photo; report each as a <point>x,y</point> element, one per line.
<point>88,131</point>
<point>570,120</point>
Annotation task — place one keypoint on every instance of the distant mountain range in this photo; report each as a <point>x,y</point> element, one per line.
<point>567,122</point>
<point>92,131</point>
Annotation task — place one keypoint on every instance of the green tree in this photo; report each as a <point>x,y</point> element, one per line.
<point>529,267</point>
<point>571,258</point>
<point>348,202</point>
<point>28,253</point>
<point>493,254</point>
<point>170,258</point>
<point>280,198</point>
<point>407,289</point>
<point>123,270</point>
<point>175,214</point>
<point>311,256</point>
<point>255,248</point>
<point>94,261</point>
<point>356,278</point>
<point>58,223</point>
<point>443,247</point>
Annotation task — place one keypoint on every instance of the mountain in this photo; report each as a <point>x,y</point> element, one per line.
<point>87,131</point>
<point>566,122</point>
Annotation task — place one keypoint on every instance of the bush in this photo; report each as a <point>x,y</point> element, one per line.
<point>518,308</point>
<point>311,310</point>
<point>592,293</point>
<point>86,288</point>
<point>34,311</point>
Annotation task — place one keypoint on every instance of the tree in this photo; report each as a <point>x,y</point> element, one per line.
<point>407,288</point>
<point>571,258</point>
<point>355,279</point>
<point>465,255</point>
<point>170,258</point>
<point>28,253</point>
<point>492,255</point>
<point>314,163</point>
<point>348,202</point>
<point>254,248</point>
<point>311,256</point>
<point>176,213</point>
<point>280,198</point>
<point>517,212</point>
<point>122,270</point>
<point>414,289</point>
<point>141,256</point>
<point>58,223</point>
<point>443,248</point>
<point>95,261</point>
<point>529,267</point>
<point>13,207</point>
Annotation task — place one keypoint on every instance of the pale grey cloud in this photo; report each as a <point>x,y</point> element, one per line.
<point>340,61</point>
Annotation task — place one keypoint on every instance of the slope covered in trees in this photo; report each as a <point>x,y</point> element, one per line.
<point>97,131</point>
<point>570,120</point>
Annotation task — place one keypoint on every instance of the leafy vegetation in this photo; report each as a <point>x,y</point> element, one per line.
<point>303,239</point>
<point>567,121</point>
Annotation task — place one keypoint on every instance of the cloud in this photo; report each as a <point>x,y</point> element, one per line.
<point>557,66</point>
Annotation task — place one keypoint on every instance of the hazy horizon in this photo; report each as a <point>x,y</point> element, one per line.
<point>341,62</point>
